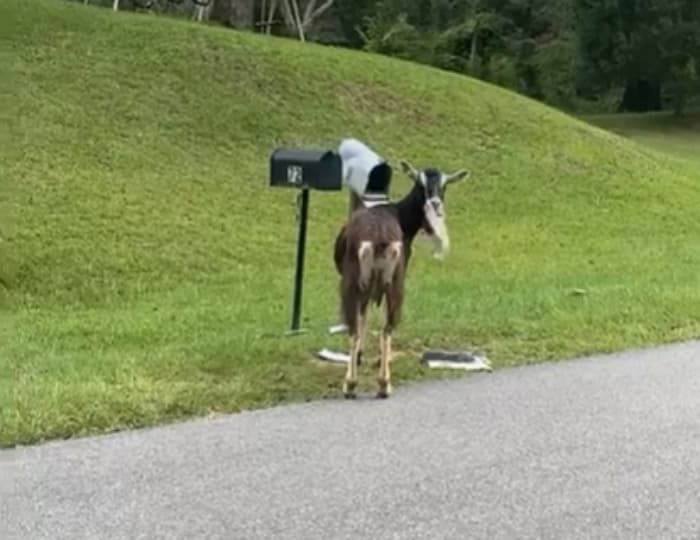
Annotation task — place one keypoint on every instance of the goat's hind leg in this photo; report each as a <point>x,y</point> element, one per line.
<point>392,281</point>
<point>384,378</point>
<point>355,329</point>
<point>366,259</point>
<point>350,383</point>
<point>354,319</point>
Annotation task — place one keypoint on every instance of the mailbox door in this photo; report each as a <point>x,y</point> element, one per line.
<point>329,173</point>
<point>288,169</point>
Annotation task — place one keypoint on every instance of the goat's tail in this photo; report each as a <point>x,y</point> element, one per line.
<point>382,258</point>
<point>374,272</point>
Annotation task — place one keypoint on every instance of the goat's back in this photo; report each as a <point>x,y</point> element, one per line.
<point>378,225</point>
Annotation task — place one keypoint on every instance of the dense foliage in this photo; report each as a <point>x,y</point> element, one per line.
<point>632,55</point>
<point>596,55</point>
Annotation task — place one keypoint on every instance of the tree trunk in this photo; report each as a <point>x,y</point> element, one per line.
<point>235,13</point>
<point>270,16</point>
<point>474,49</point>
<point>641,96</point>
<point>297,19</point>
<point>679,104</point>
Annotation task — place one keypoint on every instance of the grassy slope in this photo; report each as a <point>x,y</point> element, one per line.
<point>662,131</point>
<point>149,268</point>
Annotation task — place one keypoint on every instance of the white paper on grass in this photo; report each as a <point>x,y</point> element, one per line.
<point>338,329</point>
<point>479,364</point>
<point>334,356</point>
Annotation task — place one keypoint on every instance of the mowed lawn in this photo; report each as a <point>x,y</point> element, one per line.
<point>146,267</point>
<point>663,131</point>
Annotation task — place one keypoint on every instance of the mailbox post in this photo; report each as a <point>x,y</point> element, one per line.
<point>304,170</point>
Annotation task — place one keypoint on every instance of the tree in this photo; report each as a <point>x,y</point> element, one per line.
<point>648,47</point>
<point>234,13</point>
<point>298,16</point>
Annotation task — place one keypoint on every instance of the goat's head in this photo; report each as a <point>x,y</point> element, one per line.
<point>433,183</point>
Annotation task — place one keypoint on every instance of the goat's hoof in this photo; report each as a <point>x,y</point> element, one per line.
<point>384,390</point>
<point>349,389</point>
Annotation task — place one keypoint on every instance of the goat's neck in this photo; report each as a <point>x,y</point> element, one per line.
<point>410,210</point>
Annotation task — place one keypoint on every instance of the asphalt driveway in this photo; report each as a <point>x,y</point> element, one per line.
<point>604,447</point>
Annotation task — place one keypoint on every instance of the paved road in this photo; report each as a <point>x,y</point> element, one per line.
<point>595,448</point>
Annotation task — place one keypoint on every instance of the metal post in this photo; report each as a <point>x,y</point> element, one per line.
<point>302,213</point>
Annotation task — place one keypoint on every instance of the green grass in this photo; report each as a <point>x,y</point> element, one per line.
<point>663,131</point>
<point>146,267</point>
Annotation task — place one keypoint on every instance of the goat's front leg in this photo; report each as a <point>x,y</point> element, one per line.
<point>351,375</point>
<point>393,284</point>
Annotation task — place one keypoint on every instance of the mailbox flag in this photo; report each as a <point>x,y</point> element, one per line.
<point>364,172</point>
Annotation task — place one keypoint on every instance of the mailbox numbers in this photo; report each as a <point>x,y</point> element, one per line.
<point>295,175</point>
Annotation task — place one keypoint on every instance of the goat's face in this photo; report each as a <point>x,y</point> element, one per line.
<point>433,183</point>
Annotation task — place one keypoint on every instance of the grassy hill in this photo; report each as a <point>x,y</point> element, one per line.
<point>663,131</point>
<point>146,268</point>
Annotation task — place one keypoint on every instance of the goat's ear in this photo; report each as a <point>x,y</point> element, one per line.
<point>410,170</point>
<point>455,177</point>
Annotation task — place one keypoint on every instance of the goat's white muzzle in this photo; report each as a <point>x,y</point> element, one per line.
<point>440,239</point>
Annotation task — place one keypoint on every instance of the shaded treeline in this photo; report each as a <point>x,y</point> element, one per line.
<point>583,55</point>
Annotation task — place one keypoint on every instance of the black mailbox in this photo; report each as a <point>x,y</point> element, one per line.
<point>315,169</point>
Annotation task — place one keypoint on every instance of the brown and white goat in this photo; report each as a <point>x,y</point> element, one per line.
<point>372,270</point>
<point>371,255</point>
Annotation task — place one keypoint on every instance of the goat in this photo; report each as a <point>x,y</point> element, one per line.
<point>412,211</point>
<point>371,254</point>
<point>372,269</point>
